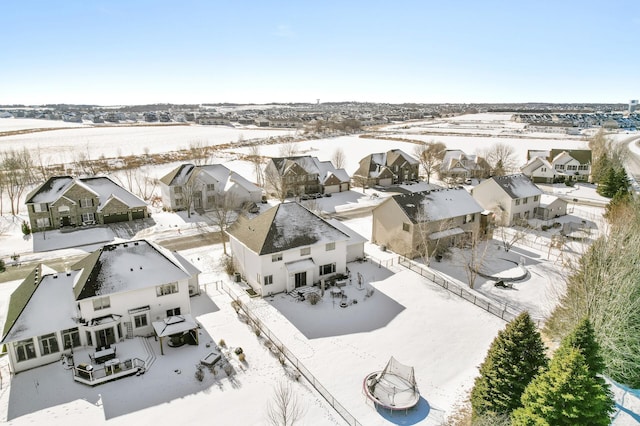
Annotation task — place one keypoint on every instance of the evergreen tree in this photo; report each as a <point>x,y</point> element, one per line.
<point>607,185</point>
<point>516,355</point>
<point>621,181</point>
<point>566,394</point>
<point>583,338</point>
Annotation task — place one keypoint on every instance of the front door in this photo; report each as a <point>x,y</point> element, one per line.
<point>65,221</point>
<point>301,279</point>
<point>105,337</point>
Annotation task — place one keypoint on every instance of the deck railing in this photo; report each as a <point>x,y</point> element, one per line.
<point>94,375</point>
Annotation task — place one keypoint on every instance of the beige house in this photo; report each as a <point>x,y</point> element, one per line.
<point>457,165</point>
<point>558,165</point>
<point>387,168</point>
<point>64,201</point>
<point>412,224</point>
<point>511,198</point>
<point>304,175</point>
<point>551,207</point>
<point>202,186</point>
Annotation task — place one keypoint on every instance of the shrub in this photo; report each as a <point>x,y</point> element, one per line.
<point>227,265</point>
<point>222,343</point>
<point>199,373</point>
<point>241,357</point>
<point>2,266</point>
<point>26,229</point>
<point>313,298</point>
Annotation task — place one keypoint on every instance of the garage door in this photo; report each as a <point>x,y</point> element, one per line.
<point>116,217</point>
<point>138,214</point>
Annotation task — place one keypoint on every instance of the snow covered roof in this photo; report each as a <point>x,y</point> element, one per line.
<point>127,266</point>
<point>517,186</point>
<point>583,156</point>
<point>546,200</point>
<point>228,178</point>
<point>354,237</point>
<point>103,187</point>
<point>174,325</point>
<point>50,190</point>
<point>437,205</point>
<point>178,176</point>
<point>42,304</point>
<point>283,227</point>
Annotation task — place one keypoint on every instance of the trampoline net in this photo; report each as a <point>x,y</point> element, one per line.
<point>397,369</point>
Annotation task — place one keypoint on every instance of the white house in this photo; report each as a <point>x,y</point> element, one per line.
<point>511,198</point>
<point>551,207</point>
<point>203,184</point>
<point>558,165</point>
<point>287,247</point>
<point>114,293</point>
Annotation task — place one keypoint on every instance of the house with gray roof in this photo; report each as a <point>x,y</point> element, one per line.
<point>65,201</point>
<point>413,224</point>
<point>511,198</point>
<point>287,247</point>
<point>114,293</point>
<point>558,165</point>
<point>299,175</point>
<point>387,168</point>
<point>203,186</point>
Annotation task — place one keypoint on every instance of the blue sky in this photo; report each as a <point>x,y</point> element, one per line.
<point>132,52</point>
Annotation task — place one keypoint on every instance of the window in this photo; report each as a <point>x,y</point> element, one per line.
<point>525,200</point>
<point>536,197</point>
<point>518,202</point>
<point>469,218</point>
<point>48,344</point>
<point>89,339</point>
<point>43,222</point>
<point>173,312</point>
<point>572,167</point>
<point>70,338</point>
<point>211,200</point>
<point>268,279</point>
<point>88,217</point>
<point>178,190</point>
<point>86,202</point>
<point>140,320</point>
<point>25,350</point>
<point>330,246</point>
<point>406,226</point>
<point>101,303</point>
<point>211,187</point>
<point>276,257</point>
<point>543,169</point>
<point>164,289</point>
<point>40,208</point>
<point>305,251</point>
<point>329,268</point>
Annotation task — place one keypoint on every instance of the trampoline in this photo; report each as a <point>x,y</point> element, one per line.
<point>393,388</point>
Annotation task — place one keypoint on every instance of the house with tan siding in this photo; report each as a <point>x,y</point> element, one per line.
<point>511,198</point>
<point>417,223</point>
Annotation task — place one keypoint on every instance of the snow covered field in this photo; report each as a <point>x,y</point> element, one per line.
<point>444,337</point>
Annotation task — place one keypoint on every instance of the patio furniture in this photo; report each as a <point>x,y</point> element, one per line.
<point>104,354</point>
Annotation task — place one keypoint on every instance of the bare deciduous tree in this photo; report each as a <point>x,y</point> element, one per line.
<point>223,210</point>
<point>502,159</point>
<point>430,156</point>
<point>284,409</point>
<point>256,158</point>
<point>199,151</point>
<point>276,183</point>
<point>289,149</point>
<point>17,169</point>
<point>84,164</point>
<point>339,158</point>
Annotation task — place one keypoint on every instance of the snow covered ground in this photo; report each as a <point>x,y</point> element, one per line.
<point>398,313</point>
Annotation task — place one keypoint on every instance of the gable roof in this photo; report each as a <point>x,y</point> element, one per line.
<point>228,178</point>
<point>103,187</point>
<point>42,304</point>
<point>126,266</point>
<point>442,204</point>
<point>373,165</point>
<point>178,176</point>
<point>283,227</point>
<point>583,156</point>
<point>517,185</point>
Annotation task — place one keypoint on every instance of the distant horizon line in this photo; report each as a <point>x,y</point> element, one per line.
<point>32,105</point>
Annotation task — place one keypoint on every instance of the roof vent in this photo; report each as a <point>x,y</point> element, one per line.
<point>55,277</point>
<point>131,269</point>
<point>141,267</point>
<point>135,244</point>
<point>125,245</point>
<point>68,274</point>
